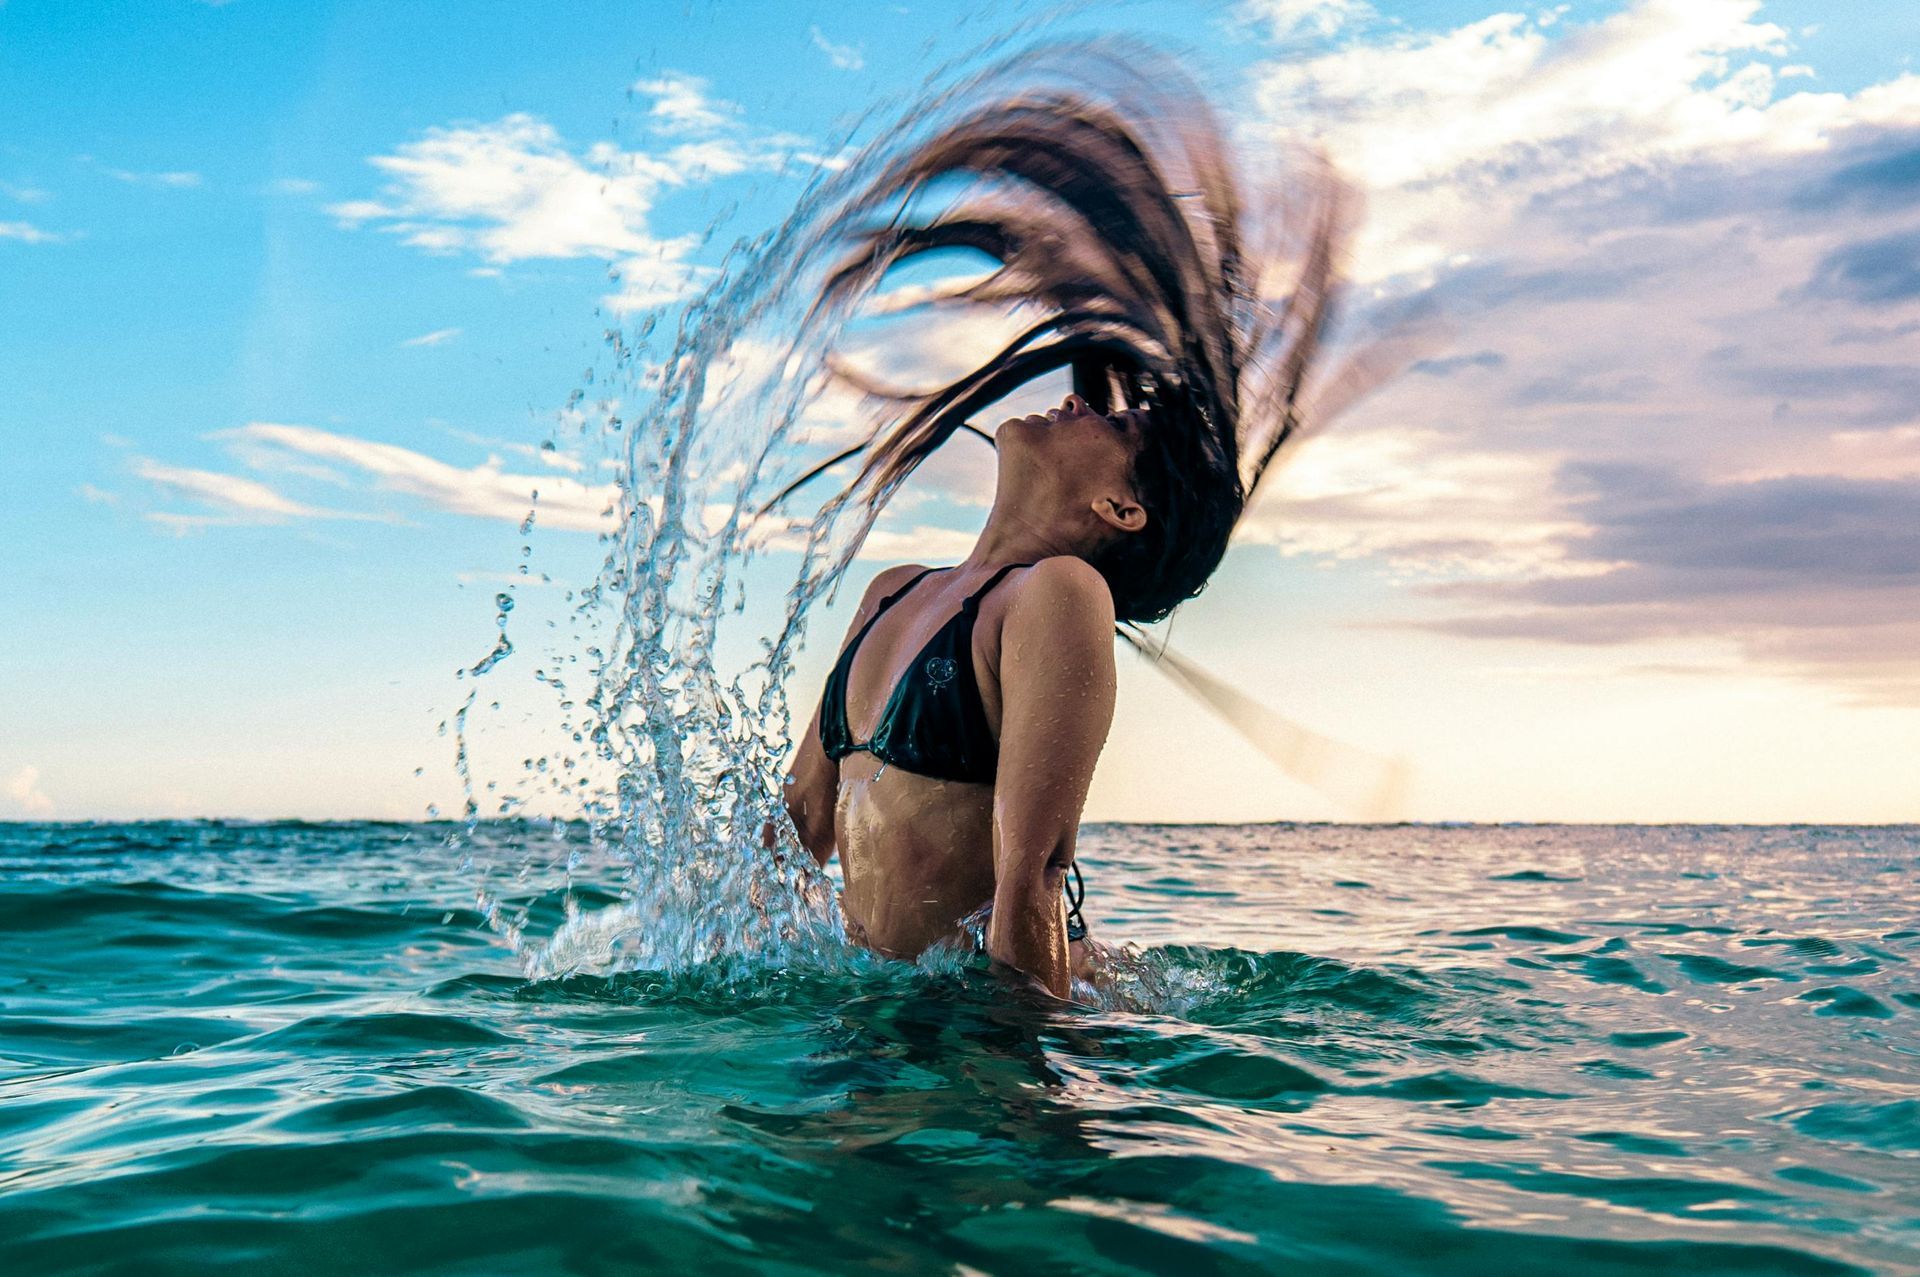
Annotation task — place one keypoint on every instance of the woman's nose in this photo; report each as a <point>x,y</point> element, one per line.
<point>1075,405</point>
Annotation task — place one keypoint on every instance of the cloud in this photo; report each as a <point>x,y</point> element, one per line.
<point>1511,108</point>
<point>1875,271</point>
<point>23,787</point>
<point>230,498</point>
<point>1886,176</point>
<point>294,186</point>
<point>547,454</point>
<point>1416,501</point>
<point>512,191</point>
<point>1680,296</point>
<point>28,233</point>
<point>519,580</point>
<point>845,57</point>
<point>175,180</point>
<point>1286,19</point>
<point>1459,363</point>
<point>438,337</point>
<point>484,491</point>
<point>925,543</point>
<point>681,104</point>
<point>489,491</point>
<point>21,194</point>
<point>1815,574</point>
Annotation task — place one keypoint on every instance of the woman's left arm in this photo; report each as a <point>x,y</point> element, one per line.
<point>1056,696</point>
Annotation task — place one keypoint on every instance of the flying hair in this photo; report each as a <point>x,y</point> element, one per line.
<point>1107,195</point>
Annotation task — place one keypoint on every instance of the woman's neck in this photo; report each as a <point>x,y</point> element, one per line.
<point>1011,536</point>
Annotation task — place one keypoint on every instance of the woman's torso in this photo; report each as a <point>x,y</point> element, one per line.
<point>916,850</point>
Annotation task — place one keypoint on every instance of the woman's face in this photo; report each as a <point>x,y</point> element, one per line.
<point>1075,438</point>
<point>1071,453</point>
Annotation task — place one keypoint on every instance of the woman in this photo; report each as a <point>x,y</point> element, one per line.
<point>970,704</point>
<point>949,757</point>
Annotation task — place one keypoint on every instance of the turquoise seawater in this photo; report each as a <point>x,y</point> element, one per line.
<point>292,1048</point>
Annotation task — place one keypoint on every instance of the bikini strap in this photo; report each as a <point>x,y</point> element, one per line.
<point>846,654</point>
<point>888,601</point>
<point>973,600</point>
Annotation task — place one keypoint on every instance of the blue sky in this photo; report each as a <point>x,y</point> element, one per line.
<point>296,293</point>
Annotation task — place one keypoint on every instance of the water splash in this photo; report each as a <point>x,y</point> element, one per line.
<point>675,746</point>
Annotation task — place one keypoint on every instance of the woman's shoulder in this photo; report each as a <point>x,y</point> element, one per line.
<point>1066,582</point>
<point>882,583</point>
<point>887,580</point>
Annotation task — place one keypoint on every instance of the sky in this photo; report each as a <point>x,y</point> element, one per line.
<point>297,299</point>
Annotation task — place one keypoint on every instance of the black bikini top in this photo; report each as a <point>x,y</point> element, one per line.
<point>933,723</point>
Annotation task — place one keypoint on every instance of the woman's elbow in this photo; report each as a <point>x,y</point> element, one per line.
<point>1040,867</point>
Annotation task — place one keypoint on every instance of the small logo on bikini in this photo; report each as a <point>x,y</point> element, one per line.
<point>940,671</point>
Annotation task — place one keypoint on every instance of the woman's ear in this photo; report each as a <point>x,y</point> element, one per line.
<point>1121,513</point>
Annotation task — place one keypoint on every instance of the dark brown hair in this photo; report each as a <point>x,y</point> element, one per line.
<point>1115,212</point>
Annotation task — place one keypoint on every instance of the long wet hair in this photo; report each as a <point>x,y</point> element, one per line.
<point>1115,213</point>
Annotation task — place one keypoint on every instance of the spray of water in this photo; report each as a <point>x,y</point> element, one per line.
<point>671,743</point>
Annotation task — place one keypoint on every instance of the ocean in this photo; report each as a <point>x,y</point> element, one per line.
<point>280,1048</point>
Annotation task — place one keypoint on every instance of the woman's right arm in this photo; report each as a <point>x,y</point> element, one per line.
<point>1057,692</point>
<point>813,784</point>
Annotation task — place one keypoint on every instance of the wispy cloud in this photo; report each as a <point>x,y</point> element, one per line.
<point>438,337</point>
<point>925,543</point>
<point>845,57</point>
<point>226,499</point>
<point>178,179</point>
<point>485,491</point>
<point>22,194</point>
<point>547,454</point>
<point>1285,19</point>
<point>28,233</point>
<point>681,104</point>
<point>524,581</point>
<point>294,186</point>
<point>23,788</point>
<point>1422,503</point>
